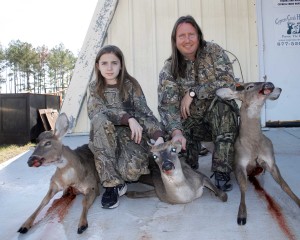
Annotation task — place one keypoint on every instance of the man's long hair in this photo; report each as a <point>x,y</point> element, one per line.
<point>178,65</point>
<point>123,74</point>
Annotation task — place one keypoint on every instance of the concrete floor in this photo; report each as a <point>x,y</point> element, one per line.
<point>22,188</point>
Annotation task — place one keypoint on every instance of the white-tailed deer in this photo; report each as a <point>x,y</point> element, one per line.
<point>173,179</point>
<point>75,168</point>
<point>253,150</point>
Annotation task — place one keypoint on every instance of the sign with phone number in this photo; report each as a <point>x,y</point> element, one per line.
<point>287,30</point>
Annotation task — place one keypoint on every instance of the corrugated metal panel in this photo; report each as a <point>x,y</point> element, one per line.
<point>142,29</point>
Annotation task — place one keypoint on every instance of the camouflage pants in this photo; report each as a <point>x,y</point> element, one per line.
<point>212,120</point>
<point>117,157</point>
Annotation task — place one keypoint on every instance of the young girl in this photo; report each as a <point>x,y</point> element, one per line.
<point>121,125</point>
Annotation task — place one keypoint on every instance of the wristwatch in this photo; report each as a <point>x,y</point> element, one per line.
<point>192,93</point>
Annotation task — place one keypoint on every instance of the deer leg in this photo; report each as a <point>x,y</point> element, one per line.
<point>28,223</point>
<point>87,201</point>
<point>285,187</point>
<point>241,177</point>
<point>146,179</point>
<point>219,193</point>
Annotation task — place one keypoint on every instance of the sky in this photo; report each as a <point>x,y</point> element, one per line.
<point>46,22</point>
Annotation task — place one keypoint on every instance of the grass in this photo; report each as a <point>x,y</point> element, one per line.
<point>9,151</point>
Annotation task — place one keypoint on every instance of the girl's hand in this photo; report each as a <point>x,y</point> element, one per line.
<point>159,141</point>
<point>136,130</point>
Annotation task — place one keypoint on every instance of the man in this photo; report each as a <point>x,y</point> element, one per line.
<point>187,104</point>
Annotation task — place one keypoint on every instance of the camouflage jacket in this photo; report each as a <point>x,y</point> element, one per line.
<point>118,111</point>
<point>214,70</point>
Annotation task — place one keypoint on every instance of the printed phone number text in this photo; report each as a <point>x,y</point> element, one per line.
<point>284,44</point>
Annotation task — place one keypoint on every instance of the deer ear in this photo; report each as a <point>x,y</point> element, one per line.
<point>226,93</point>
<point>61,126</point>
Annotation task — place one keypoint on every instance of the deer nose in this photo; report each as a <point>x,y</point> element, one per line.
<point>167,165</point>
<point>269,85</point>
<point>30,161</point>
<point>34,161</point>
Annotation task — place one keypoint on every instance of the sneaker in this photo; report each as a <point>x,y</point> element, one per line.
<point>222,181</point>
<point>110,198</point>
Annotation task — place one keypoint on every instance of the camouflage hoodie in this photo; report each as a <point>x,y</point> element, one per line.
<point>118,111</point>
<point>210,71</point>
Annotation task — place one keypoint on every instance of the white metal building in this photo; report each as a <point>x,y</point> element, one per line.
<point>261,35</point>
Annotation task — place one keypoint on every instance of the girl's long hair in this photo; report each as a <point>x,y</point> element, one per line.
<point>123,74</point>
<point>178,65</point>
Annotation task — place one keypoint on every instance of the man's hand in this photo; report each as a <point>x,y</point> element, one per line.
<point>185,105</point>
<point>136,130</point>
<point>177,136</point>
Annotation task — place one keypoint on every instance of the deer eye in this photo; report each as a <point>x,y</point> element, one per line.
<point>173,149</point>
<point>249,87</point>
<point>154,156</point>
<point>48,143</point>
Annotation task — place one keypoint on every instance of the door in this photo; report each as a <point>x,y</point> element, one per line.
<point>279,40</point>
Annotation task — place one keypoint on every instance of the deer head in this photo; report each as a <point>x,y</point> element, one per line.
<point>166,155</point>
<point>49,148</point>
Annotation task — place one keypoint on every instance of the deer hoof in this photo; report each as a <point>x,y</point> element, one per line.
<point>224,197</point>
<point>241,221</point>
<point>82,229</point>
<point>23,230</point>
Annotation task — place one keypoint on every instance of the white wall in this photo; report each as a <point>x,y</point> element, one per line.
<point>142,29</point>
